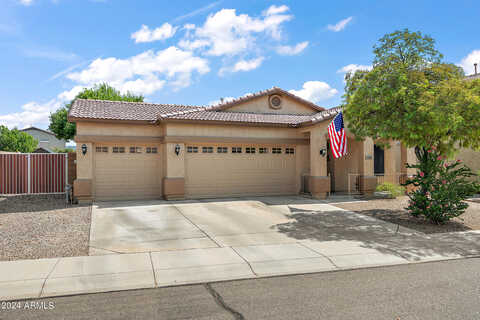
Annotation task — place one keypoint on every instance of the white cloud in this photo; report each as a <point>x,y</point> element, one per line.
<point>69,95</point>
<point>339,26</point>
<point>144,73</point>
<point>243,65</point>
<point>197,12</point>
<point>26,2</point>
<point>163,32</point>
<point>353,68</point>
<point>292,50</point>
<point>273,10</point>
<point>315,91</point>
<point>33,113</point>
<point>49,53</point>
<point>469,60</point>
<point>226,33</point>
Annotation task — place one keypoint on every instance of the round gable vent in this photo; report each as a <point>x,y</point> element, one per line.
<point>275,101</point>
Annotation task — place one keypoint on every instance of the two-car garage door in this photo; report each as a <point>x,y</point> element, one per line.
<point>210,173</point>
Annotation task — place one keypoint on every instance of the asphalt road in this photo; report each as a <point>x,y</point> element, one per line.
<point>439,290</point>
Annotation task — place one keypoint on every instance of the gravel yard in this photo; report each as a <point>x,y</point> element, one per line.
<point>33,227</point>
<point>392,210</point>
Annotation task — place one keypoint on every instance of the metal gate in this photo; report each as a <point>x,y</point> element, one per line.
<point>33,173</point>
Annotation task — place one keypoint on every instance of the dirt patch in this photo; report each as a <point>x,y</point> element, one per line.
<point>33,227</point>
<point>392,210</point>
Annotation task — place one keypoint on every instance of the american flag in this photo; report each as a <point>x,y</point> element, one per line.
<point>338,139</point>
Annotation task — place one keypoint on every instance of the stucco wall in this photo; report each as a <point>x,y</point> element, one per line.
<point>470,158</point>
<point>118,129</point>
<point>184,129</point>
<point>261,105</point>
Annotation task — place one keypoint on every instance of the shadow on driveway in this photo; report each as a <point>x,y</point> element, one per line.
<point>374,234</point>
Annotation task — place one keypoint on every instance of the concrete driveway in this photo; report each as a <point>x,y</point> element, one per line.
<point>142,226</point>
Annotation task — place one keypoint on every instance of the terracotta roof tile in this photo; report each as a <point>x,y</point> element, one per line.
<point>257,118</point>
<point>121,110</point>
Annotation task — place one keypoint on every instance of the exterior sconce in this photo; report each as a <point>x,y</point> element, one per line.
<point>177,149</point>
<point>84,149</point>
<point>323,151</point>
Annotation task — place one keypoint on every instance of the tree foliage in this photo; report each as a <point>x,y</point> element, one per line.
<point>411,96</point>
<point>440,187</point>
<point>59,120</point>
<point>16,141</point>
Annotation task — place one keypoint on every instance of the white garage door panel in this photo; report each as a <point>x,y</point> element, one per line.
<point>127,176</point>
<point>217,175</point>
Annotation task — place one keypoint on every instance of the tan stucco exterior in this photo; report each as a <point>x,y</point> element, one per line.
<point>169,175</point>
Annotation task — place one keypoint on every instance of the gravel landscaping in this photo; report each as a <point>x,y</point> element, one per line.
<point>392,210</point>
<point>40,226</point>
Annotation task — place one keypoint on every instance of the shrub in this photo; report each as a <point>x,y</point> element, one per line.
<point>394,189</point>
<point>441,187</point>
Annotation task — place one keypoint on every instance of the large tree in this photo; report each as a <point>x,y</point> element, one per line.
<point>16,141</point>
<point>66,130</point>
<point>411,95</point>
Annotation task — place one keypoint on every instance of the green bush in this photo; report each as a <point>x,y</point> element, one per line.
<point>394,189</point>
<point>440,187</point>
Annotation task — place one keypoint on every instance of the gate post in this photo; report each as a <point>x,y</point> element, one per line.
<point>29,173</point>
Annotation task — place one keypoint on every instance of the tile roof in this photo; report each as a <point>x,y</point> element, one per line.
<point>292,120</point>
<point>38,129</point>
<point>473,76</point>
<point>121,110</point>
<point>140,111</point>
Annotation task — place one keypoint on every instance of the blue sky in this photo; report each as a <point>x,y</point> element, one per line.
<point>195,52</point>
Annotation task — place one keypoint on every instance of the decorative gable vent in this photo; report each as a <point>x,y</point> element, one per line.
<point>275,101</point>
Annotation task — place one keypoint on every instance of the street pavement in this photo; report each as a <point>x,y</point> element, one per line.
<point>432,290</point>
<point>244,239</point>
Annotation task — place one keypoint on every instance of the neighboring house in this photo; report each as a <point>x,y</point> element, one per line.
<point>470,157</point>
<point>268,143</point>
<point>47,142</point>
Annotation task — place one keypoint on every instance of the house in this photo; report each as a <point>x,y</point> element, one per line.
<point>47,142</point>
<point>268,143</point>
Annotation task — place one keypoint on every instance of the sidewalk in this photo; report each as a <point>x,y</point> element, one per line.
<point>75,275</point>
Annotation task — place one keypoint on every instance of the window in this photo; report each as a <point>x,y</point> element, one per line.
<point>135,149</point>
<point>277,150</point>
<point>101,149</point>
<point>222,149</point>
<point>263,150</point>
<point>289,150</point>
<point>236,149</point>
<point>151,150</point>
<point>191,149</point>
<point>118,150</point>
<point>250,150</point>
<point>207,149</point>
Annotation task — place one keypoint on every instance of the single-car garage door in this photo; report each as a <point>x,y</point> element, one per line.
<point>222,171</point>
<point>128,172</point>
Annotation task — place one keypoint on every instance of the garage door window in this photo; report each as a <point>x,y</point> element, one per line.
<point>250,150</point>
<point>236,149</point>
<point>289,150</point>
<point>222,149</point>
<point>191,149</point>
<point>151,150</point>
<point>277,150</point>
<point>135,149</point>
<point>207,149</point>
<point>118,150</point>
<point>101,149</point>
<point>263,150</point>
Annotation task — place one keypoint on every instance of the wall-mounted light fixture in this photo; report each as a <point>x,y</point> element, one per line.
<point>84,149</point>
<point>177,149</point>
<point>323,151</point>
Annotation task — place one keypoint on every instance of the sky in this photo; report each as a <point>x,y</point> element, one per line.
<point>197,52</point>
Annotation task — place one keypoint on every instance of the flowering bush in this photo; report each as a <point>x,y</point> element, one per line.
<point>440,187</point>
